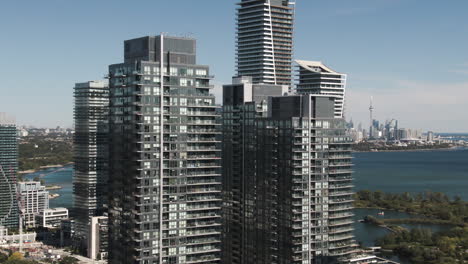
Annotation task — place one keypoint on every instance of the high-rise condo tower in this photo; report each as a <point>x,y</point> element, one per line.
<point>90,154</point>
<point>314,77</point>
<point>265,40</point>
<point>286,179</point>
<point>165,182</point>
<point>8,169</point>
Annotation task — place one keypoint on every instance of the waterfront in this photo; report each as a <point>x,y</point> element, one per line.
<point>413,171</point>
<point>61,177</point>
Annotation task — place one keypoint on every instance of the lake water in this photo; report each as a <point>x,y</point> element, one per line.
<point>442,171</point>
<point>58,176</point>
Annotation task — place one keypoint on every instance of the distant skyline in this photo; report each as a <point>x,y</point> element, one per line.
<point>409,55</point>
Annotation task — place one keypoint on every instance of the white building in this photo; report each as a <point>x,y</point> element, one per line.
<point>51,218</point>
<point>265,40</point>
<point>9,239</point>
<point>34,199</point>
<point>316,78</point>
<point>97,243</point>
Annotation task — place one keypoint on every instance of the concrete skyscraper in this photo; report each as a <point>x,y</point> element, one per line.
<point>165,182</point>
<point>316,78</point>
<point>8,169</point>
<point>265,40</point>
<point>90,178</point>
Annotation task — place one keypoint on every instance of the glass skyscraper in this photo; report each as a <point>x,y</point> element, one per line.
<point>287,181</point>
<point>9,216</point>
<point>90,154</point>
<point>165,181</point>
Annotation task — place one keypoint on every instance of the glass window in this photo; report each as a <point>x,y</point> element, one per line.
<point>147,90</point>
<point>201,72</point>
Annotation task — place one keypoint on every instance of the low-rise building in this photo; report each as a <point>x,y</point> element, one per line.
<point>34,199</point>
<point>51,218</point>
<point>9,239</point>
<point>98,239</point>
<point>367,259</point>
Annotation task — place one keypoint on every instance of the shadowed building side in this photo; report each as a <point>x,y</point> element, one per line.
<point>90,177</point>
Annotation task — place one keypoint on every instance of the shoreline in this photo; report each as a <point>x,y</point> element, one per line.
<point>53,187</point>
<point>44,168</point>
<point>410,150</point>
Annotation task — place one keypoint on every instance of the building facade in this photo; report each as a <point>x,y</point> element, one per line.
<point>243,103</point>
<point>316,78</point>
<point>51,218</point>
<point>265,40</point>
<point>34,198</point>
<point>90,177</point>
<point>165,185</point>
<point>8,169</point>
<point>288,185</point>
<point>6,239</point>
<point>98,238</point>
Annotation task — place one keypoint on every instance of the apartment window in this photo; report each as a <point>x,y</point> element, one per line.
<point>172,251</point>
<point>156,90</point>
<point>201,72</point>
<point>183,82</point>
<point>182,224</point>
<point>173,71</point>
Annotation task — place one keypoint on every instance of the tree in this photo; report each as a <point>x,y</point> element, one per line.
<point>3,257</point>
<point>16,256</point>
<point>69,260</point>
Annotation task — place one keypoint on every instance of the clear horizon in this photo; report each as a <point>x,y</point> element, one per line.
<point>409,57</point>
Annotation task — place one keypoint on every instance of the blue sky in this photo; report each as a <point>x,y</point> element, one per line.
<point>411,55</point>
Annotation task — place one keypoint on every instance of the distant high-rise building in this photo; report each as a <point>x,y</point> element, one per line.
<point>265,40</point>
<point>287,180</point>
<point>34,199</point>
<point>165,181</point>
<point>372,131</point>
<point>316,78</point>
<point>430,136</point>
<point>90,154</point>
<point>8,169</point>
